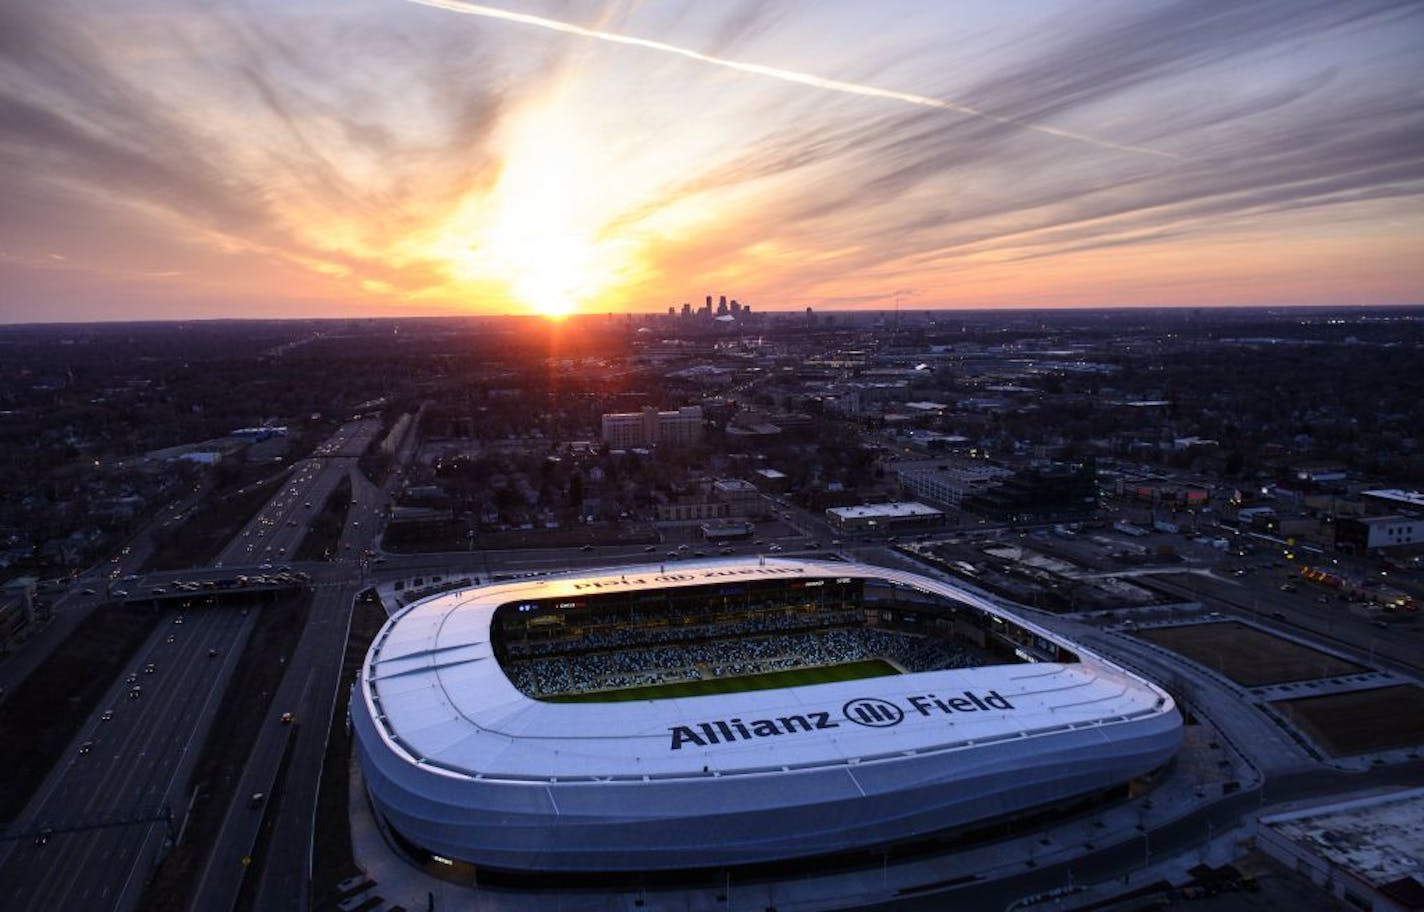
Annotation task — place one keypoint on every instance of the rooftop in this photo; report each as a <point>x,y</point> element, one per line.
<point>1413,498</point>
<point>1379,839</point>
<point>885,511</point>
<point>440,697</point>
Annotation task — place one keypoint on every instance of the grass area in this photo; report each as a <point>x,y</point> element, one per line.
<point>331,844</point>
<point>1361,721</point>
<point>1248,656</point>
<point>246,706</point>
<point>773,680</point>
<point>199,539</point>
<point>40,718</point>
<point>324,531</point>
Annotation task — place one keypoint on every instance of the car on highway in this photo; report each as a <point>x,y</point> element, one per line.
<point>287,718</point>
<point>86,747</point>
<point>150,668</point>
<point>212,653</point>
<point>108,716</point>
<point>135,692</point>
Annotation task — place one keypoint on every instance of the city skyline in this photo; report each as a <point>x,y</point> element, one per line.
<point>167,160</point>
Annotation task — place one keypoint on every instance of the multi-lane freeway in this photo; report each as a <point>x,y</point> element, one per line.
<point>278,528</point>
<point>92,834</point>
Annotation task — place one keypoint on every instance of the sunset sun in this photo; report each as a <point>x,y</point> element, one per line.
<point>541,235</point>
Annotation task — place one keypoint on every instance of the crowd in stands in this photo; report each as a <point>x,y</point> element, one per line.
<point>736,651</point>
<point>597,633</point>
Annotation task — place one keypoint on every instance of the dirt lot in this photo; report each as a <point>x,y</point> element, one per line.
<point>1361,721</point>
<point>1248,656</point>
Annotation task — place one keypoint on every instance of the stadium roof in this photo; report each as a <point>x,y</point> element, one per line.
<point>441,698</point>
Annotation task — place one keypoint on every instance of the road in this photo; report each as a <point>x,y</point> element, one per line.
<point>308,691</point>
<point>1396,645</point>
<point>130,765</point>
<point>88,592</point>
<point>98,825</point>
<point>274,533</point>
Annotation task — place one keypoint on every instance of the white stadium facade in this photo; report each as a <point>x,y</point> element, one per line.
<point>466,766</point>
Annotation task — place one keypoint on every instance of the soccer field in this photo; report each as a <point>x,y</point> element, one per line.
<point>851,671</point>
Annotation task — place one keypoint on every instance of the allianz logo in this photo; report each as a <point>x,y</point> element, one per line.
<point>867,712</point>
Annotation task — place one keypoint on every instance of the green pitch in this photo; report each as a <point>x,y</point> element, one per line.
<point>774,680</point>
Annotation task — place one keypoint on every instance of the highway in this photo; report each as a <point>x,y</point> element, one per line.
<point>132,759</point>
<point>89,592</point>
<point>274,533</point>
<point>308,691</point>
<point>92,835</point>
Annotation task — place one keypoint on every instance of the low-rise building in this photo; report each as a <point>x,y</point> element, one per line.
<point>1057,492</point>
<point>1367,852</point>
<point>883,517</point>
<point>691,509</point>
<point>944,483</point>
<point>1370,533</point>
<point>770,480</point>
<point>1388,501</point>
<point>741,497</point>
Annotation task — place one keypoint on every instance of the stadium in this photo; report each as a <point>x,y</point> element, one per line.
<point>731,713</point>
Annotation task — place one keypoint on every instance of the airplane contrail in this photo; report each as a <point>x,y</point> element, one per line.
<point>806,79</point>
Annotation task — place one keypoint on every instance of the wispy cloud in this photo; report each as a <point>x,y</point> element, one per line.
<point>810,80</point>
<point>362,158</point>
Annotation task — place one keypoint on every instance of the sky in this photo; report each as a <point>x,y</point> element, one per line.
<point>173,159</point>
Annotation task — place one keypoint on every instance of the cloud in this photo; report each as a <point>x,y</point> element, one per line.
<point>352,153</point>
<point>284,163</point>
<point>810,80</point>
